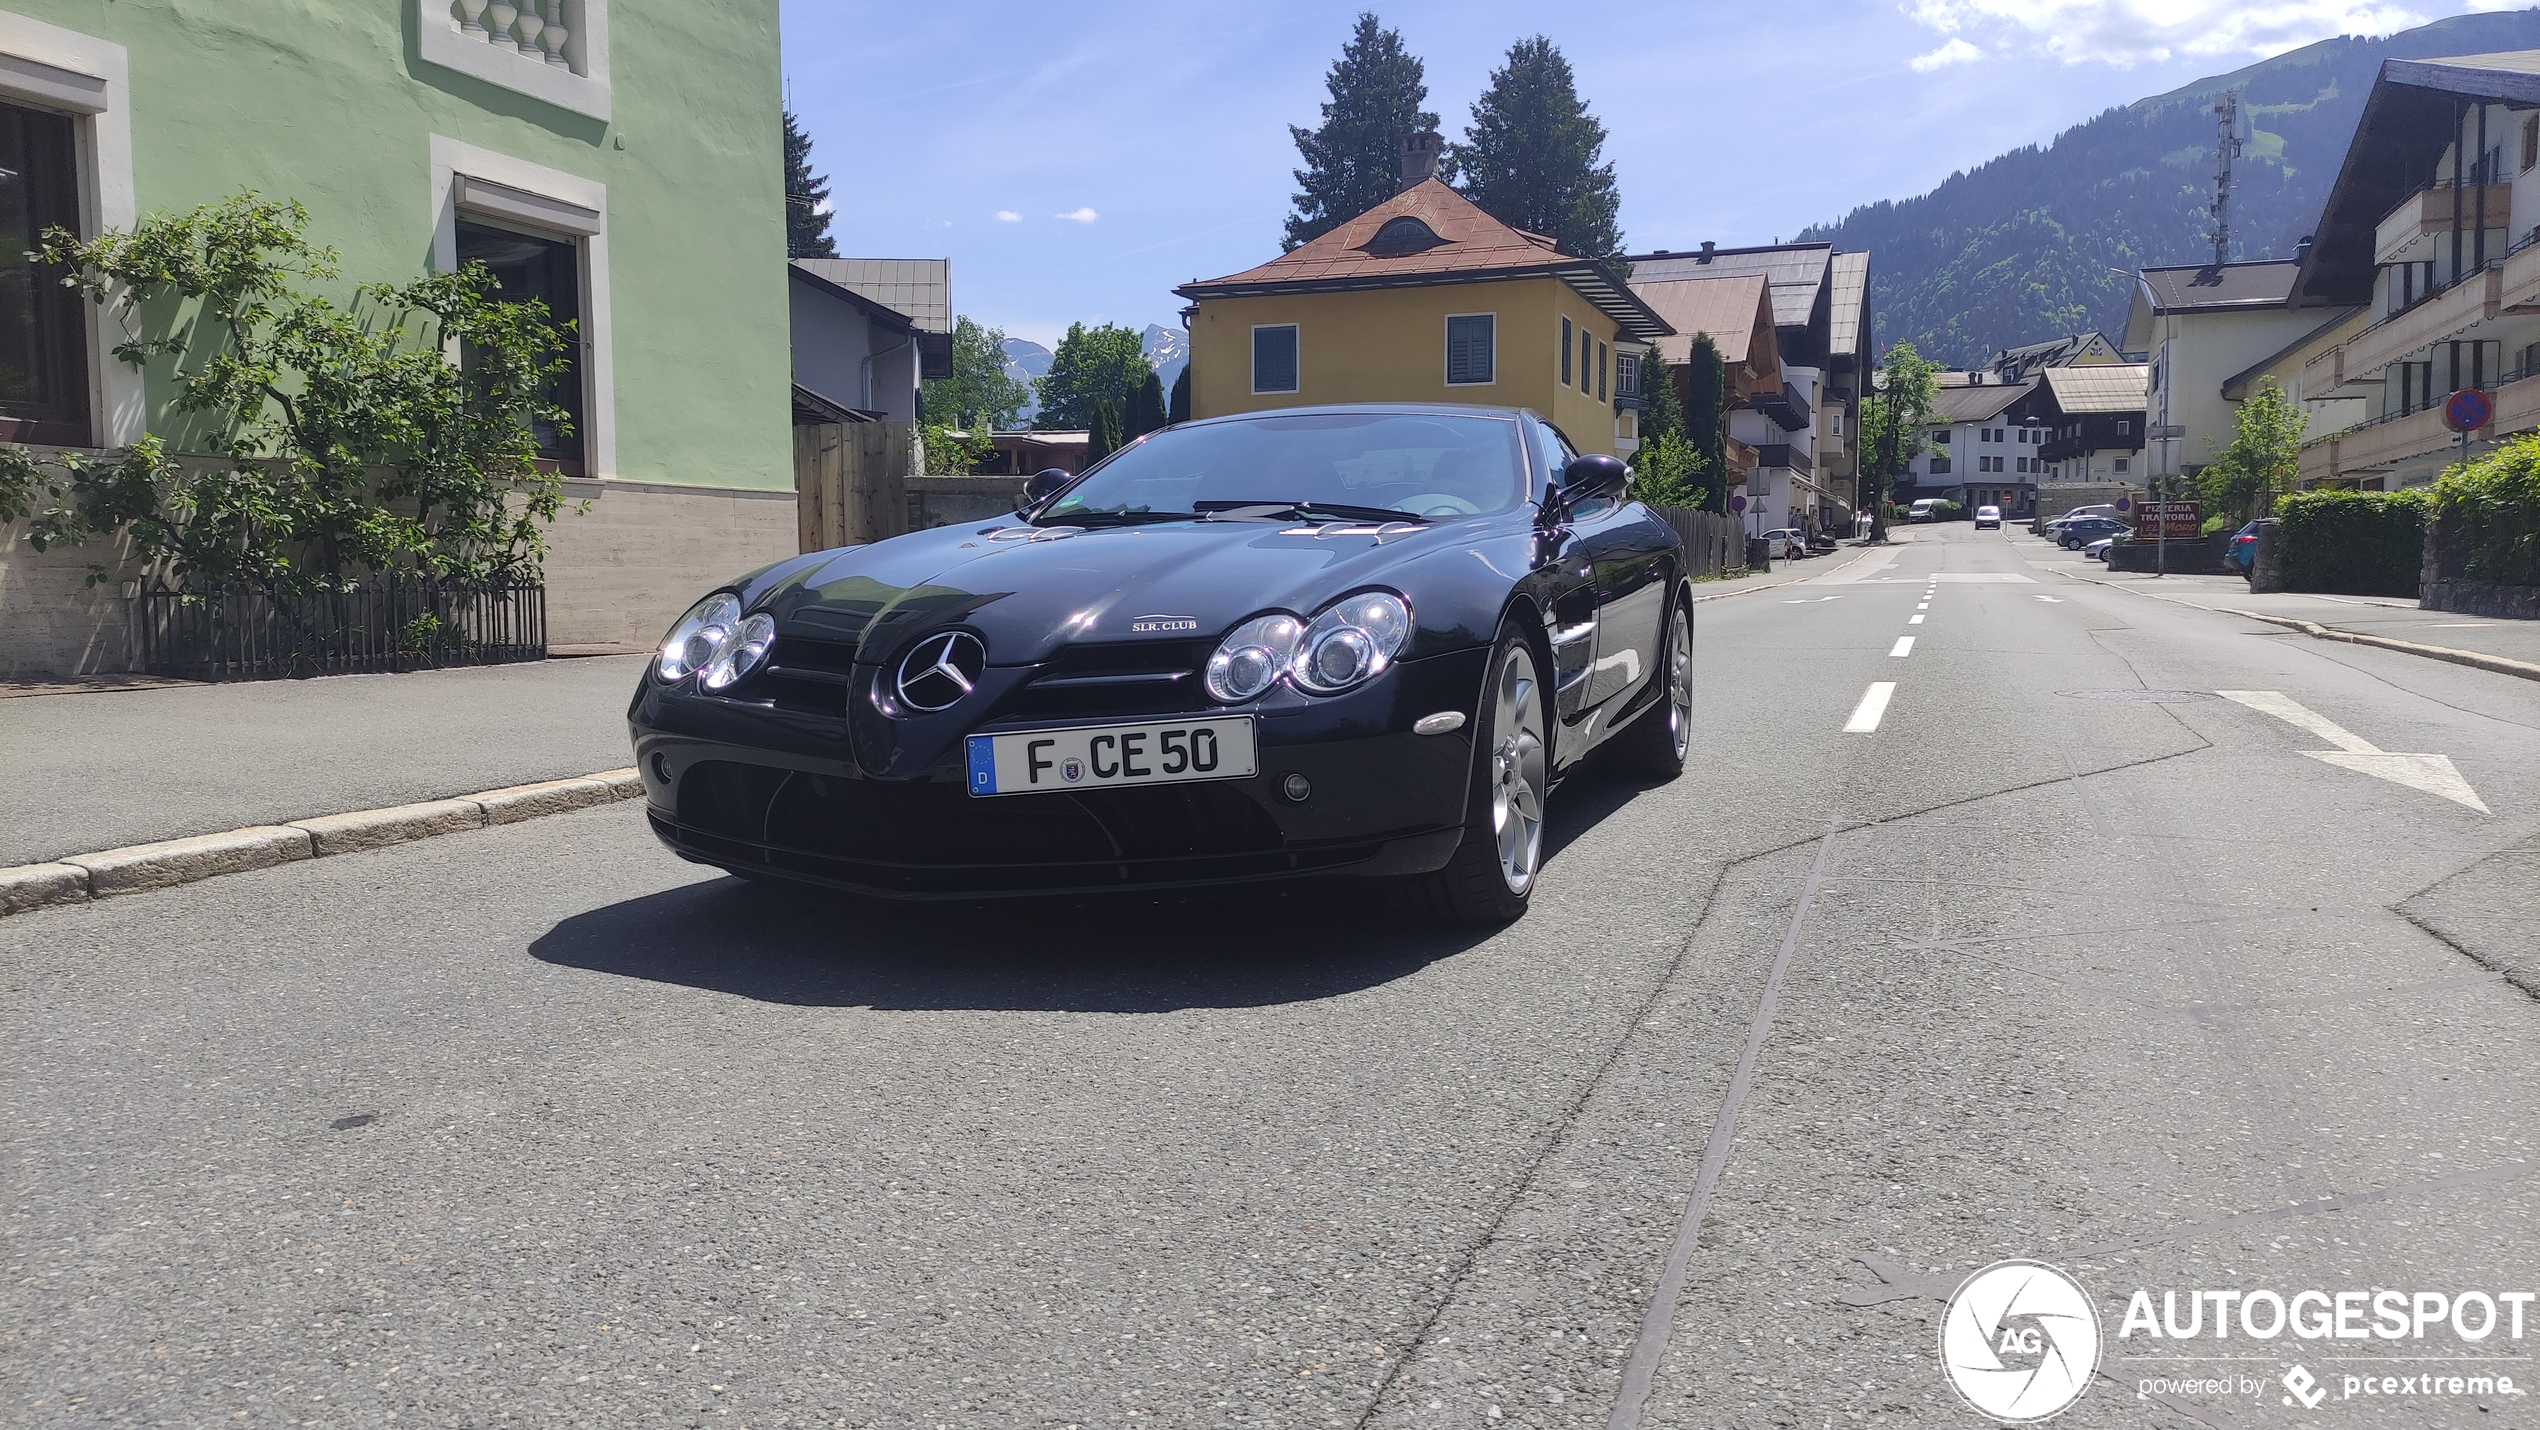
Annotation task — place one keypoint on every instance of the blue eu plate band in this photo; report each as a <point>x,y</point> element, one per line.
<point>982,751</point>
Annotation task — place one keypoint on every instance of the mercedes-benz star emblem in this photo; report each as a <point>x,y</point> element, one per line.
<point>941,669</point>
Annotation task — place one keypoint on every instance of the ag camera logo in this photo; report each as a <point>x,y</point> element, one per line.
<point>2019,1341</point>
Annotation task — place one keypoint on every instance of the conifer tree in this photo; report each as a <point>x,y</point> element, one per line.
<point>1180,410</point>
<point>1146,408</point>
<point>1529,157</point>
<point>1353,160</point>
<point>806,198</point>
<point>1706,423</point>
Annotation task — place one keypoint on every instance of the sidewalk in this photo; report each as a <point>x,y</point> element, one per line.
<point>2392,618</point>
<point>115,767</point>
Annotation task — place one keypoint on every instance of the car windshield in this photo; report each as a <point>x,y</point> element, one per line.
<point>1341,465</point>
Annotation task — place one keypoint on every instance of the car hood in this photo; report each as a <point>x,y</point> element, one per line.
<point>1030,590</point>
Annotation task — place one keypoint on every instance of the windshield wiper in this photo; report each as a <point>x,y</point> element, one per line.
<point>1310,510</point>
<point>1097,517</point>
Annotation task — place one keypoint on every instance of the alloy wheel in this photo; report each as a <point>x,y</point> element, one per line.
<point>1517,772</point>
<point>1679,681</point>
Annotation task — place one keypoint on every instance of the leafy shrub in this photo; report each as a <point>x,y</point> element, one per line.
<point>2214,524</point>
<point>1668,471</point>
<point>2488,517</point>
<point>2358,543</point>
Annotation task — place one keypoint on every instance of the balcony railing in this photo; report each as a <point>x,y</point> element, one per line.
<point>1784,454</point>
<point>2477,298</point>
<point>2427,213</point>
<point>541,30</point>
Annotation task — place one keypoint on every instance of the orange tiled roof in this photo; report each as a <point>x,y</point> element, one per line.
<point>1462,244</point>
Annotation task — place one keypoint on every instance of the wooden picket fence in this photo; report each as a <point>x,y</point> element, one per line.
<point>1715,545</point>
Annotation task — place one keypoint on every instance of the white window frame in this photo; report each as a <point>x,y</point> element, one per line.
<point>1253,358</point>
<point>1446,349</point>
<point>47,67</point>
<point>518,194</point>
<point>439,40</point>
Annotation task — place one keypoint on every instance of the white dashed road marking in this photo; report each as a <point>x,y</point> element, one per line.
<point>1904,647</point>
<point>1913,620</point>
<point>1873,708</point>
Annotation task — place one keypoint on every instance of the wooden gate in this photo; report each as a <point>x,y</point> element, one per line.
<point>850,482</point>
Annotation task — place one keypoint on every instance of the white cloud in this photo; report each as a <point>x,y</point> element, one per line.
<point>1078,215</point>
<point>1956,52</point>
<point>1008,216</point>
<point>2128,32</point>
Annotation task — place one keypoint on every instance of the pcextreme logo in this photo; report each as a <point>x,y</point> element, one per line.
<point>2019,1341</point>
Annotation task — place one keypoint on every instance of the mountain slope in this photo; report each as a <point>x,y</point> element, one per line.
<point>2018,249</point>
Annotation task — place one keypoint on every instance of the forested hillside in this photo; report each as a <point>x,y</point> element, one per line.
<point>2018,249</point>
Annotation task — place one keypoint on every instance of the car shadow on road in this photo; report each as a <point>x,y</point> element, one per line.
<point>782,944</point>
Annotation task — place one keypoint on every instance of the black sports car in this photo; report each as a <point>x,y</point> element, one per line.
<point>1358,641</point>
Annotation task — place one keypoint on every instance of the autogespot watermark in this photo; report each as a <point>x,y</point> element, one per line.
<point>2021,1340</point>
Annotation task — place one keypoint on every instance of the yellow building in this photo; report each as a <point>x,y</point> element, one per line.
<point>1425,298</point>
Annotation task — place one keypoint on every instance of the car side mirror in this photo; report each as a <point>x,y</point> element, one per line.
<point>1592,478</point>
<point>1044,484</point>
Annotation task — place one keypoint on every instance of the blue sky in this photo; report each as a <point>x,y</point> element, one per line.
<point>1076,161</point>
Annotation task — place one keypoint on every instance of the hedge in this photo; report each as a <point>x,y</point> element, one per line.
<point>2488,514</point>
<point>2356,543</point>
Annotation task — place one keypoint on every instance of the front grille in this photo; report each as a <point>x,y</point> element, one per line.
<point>807,673</point>
<point>1119,678</point>
<point>934,838</point>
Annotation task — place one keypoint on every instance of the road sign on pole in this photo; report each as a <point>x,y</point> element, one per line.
<point>2467,410</point>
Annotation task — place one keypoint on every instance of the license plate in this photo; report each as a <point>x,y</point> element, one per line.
<point>1108,756</point>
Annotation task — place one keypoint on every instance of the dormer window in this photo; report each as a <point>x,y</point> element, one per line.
<point>1401,237</point>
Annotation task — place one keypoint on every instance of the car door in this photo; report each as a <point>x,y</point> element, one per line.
<point>1573,623</point>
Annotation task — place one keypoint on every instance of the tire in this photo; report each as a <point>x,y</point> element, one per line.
<point>1653,746</point>
<point>1491,876</point>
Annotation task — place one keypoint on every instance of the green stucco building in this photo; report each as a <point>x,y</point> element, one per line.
<point>622,160</point>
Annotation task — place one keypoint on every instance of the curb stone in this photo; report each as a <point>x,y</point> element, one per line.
<point>137,868</point>
<point>2479,660</point>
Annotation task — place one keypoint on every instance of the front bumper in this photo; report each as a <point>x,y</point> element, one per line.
<point>747,785</point>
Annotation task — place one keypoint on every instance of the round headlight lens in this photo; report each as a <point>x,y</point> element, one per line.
<point>1251,656</point>
<point>741,654</point>
<point>1353,642</point>
<point>699,636</point>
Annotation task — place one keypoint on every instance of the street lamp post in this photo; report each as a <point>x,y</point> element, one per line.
<point>2160,478</point>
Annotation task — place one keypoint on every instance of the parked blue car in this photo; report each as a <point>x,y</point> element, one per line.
<point>2243,551</point>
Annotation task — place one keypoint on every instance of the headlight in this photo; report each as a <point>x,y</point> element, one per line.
<point>1348,645</point>
<point>699,637</point>
<point>741,654</point>
<point>1252,656</point>
<point>1352,642</point>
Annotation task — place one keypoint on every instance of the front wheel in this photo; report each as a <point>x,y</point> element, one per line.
<point>1492,874</point>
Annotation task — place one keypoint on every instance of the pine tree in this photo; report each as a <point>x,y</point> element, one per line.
<point>1529,158</point>
<point>806,198</point>
<point>1353,161</point>
<point>1102,435</point>
<point>1146,408</point>
<point>1706,421</point>
<point>1180,410</point>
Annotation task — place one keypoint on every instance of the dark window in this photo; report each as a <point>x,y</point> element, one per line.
<point>1468,349</point>
<point>43,331</point>
<point>1274,366</point>
<point>1586,358</point>
<point>1401,237</point>
<point>528,266</point>
<point>1565,352</point>
<point>1940,436</point>
<point>1600,372</point>
<point>1940,466</point>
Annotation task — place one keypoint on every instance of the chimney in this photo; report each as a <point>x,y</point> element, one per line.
<point>1707,246</point>
<point>1420,156</point>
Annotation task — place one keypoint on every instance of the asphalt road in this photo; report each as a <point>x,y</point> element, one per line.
<point>540,1126</point>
